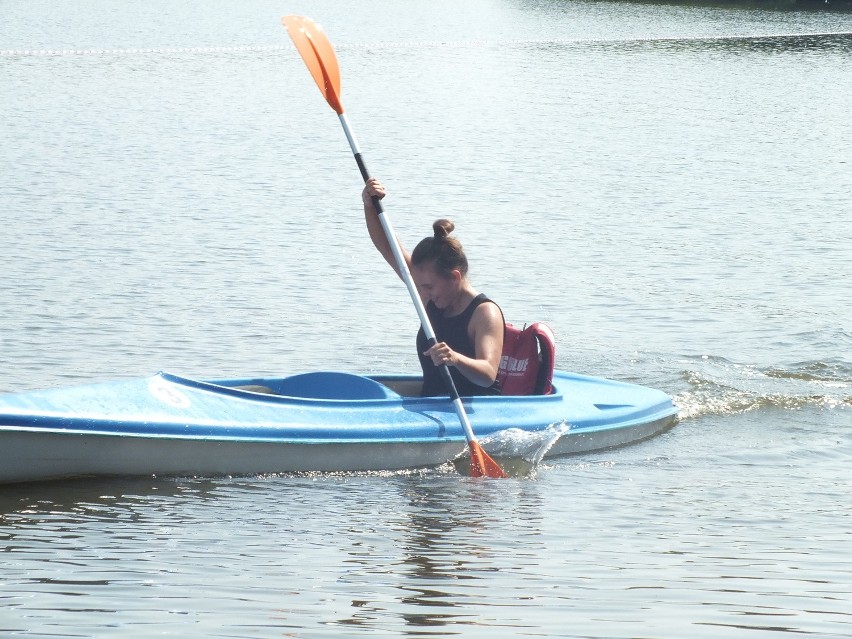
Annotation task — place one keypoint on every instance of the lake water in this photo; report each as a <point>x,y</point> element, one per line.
<point>669,188</point>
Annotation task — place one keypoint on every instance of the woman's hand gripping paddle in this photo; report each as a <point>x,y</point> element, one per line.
<point>315,49</point>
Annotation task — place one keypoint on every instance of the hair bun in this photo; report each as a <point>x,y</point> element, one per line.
<point>443,228</point>
<point>442,250</point>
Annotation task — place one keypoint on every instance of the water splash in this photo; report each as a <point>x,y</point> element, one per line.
<point>518,452</point>
<point>532,446</point>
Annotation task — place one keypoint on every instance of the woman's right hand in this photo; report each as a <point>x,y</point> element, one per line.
<point>373,188</point>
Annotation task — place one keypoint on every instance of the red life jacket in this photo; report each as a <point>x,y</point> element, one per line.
<point>526,367</point>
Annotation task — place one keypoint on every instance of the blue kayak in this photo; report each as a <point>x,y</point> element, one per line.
<point>168,425</point>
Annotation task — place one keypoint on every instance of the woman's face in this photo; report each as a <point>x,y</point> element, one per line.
<point>434,287</point>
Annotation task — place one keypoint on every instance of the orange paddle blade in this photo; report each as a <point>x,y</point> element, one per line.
<point>481,465</point>
<point>318,54</point>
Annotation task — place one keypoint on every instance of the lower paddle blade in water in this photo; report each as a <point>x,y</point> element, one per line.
<point>481,465</point>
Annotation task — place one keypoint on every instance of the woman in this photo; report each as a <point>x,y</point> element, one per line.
<point>468,325</point>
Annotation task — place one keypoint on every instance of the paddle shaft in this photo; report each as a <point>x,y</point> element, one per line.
<point>316,51</point>
<point>405,273</point>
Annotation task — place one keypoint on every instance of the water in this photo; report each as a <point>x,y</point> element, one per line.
<point>668,188</point>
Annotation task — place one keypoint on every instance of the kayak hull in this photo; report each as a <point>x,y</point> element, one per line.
<point>168,425</point>
<point>50,456</point>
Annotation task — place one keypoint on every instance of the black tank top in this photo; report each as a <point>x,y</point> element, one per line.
<point>453,331</point>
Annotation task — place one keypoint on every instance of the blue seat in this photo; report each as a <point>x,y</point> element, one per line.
<point>332,385</point>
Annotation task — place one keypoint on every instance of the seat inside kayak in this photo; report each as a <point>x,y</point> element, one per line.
<point>332,385</point>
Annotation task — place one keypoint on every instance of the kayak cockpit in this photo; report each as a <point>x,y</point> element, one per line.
<point>331,385</point>
<point>318,385</point>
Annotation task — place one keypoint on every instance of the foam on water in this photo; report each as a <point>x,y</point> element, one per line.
<point>719,386</point>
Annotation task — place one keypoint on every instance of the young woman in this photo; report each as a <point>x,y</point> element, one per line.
<point>468,326</point>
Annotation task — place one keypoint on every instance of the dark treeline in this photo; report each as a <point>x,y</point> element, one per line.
<point>777,5</point>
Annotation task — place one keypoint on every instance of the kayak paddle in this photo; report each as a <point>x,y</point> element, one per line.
<point>318,54</point>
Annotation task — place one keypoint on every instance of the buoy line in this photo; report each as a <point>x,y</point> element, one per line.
<point>402,45</point>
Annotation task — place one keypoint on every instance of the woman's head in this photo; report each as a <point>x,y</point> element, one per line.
<point>445,253</point>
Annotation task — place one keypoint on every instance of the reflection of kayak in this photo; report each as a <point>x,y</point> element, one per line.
<point>322,421</point>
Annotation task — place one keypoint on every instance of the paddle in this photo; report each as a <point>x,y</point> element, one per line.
<point>315,49</point>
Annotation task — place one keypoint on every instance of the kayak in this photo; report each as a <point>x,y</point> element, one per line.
<point>328,421</point>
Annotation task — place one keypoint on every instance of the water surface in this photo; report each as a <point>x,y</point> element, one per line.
<point>667,187</point>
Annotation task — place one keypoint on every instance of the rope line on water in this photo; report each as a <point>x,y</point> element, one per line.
<point>401,45</point>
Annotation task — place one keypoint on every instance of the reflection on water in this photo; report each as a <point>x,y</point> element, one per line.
<point>448,558</point>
